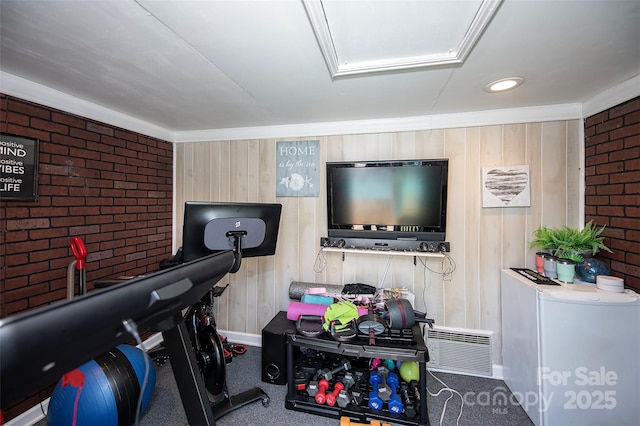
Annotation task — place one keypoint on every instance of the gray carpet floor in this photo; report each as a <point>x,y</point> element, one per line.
<point>484,400</point>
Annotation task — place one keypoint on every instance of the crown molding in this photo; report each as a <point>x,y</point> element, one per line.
<point>616,95</point>
<point>28,90</point>
<point>425,122</point>
<point>25,89</point>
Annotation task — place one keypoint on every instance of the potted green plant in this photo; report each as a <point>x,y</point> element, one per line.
<point>570,243</point>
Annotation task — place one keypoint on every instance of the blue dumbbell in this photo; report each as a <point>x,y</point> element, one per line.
<point>395,402</point>
<point>375,402</point>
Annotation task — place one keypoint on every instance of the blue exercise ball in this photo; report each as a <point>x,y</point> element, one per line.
<point>104,391</point>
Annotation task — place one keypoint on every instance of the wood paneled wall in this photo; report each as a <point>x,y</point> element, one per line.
<point>483,240</point>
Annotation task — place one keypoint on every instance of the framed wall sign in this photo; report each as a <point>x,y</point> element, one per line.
<point>297,169</point>
<point>18,168</point>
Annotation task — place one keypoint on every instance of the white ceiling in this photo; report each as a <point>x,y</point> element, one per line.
<point>204,65</point>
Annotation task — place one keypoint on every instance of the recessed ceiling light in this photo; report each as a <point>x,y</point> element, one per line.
<point>503,84</point>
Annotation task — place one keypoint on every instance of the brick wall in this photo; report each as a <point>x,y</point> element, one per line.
<point>612,191</point>
<point>109,186</point>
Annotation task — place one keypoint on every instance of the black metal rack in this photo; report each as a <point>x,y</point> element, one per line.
<point>404,345</point>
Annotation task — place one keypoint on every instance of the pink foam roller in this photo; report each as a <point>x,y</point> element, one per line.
<point>299,308</point>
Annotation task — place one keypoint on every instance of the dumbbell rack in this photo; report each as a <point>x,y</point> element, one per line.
<point>405,345</point>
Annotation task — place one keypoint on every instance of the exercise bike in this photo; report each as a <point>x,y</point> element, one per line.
<point>208,349</point>
<point>209,352</point>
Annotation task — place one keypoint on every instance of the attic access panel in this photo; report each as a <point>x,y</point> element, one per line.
<point>359,37</point>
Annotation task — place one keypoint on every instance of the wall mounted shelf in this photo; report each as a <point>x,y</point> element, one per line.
<point>345,250</point>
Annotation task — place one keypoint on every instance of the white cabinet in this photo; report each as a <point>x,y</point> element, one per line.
<point>570,352</point>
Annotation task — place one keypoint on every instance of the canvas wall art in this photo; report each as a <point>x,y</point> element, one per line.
<point>507,186</point>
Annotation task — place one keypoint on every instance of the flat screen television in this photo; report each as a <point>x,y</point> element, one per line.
<point>249,229</point>
<point>388,200</point>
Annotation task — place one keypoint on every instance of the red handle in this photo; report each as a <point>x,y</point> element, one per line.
<point>80,251</point>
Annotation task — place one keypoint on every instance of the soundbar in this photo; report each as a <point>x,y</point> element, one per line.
<point>386,245</point>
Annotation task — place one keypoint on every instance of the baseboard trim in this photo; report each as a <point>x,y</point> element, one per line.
<point>152,342</point>
<point>242,338</point>
<point>497,372</point>
<point>30,417</point>
<point>233,336</point>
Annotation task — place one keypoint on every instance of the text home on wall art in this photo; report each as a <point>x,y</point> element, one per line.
<point>18,168</point>
<point>298,169</point>
<point>506,186</point>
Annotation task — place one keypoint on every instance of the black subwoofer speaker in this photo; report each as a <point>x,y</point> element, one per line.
<point>274,349</point>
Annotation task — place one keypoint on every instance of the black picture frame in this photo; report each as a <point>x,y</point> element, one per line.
<point>18,168</point>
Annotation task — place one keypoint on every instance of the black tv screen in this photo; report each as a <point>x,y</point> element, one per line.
<point>388,199</point>
<point>207,224</point>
